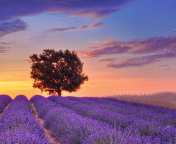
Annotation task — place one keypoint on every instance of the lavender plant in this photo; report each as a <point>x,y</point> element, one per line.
<point>112,118</point>
<point>149,120</point>
<point>4,101</point>
<point>17,124</point>
<point>72,128</point>
<point>167,116</point>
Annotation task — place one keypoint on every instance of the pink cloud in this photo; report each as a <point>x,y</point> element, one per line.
<point>107,47</point>
<point>82,27</point>
<point>97,13</point>
<point>146,51</point>
<point>96,25</point>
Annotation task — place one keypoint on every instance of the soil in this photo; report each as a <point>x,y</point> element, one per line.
<point>4,110</point>
<point>41,122</point>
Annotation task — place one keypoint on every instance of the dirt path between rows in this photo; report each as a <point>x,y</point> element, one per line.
<point>5,109</point>
<point>41,122</point>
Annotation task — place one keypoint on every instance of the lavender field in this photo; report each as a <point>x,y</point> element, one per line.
<point>72,120</point>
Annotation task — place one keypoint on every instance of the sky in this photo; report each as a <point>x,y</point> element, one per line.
<point>127,46</point>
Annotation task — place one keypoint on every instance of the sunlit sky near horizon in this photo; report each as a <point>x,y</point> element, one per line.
<point>127,46</point>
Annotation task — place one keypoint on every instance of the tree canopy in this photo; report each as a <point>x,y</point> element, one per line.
<point>57,71</point>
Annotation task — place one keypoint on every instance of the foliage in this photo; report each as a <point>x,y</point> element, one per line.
<point>55,71</point>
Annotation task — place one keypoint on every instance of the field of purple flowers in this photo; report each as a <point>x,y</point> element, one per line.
<point>74,120</point>
<point>17,124</point>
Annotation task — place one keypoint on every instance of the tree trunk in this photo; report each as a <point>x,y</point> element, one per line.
<point>59,92</point>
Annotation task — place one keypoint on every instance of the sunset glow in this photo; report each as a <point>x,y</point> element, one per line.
<point>127,46</point>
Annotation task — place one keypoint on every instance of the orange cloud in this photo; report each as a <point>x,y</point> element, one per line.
<point>96,25</point>
<point>27,60</point>
<point>82,27</point>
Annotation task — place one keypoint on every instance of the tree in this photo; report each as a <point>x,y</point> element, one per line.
<point>57,71</point>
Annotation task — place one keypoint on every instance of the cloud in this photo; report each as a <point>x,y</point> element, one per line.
<point>153,45</point>
<point>27,60</point>
<point>108,47</point>
<point>19,8</point>
<point>143,60</point>
<point>166,69</point>
<point>4,47</point>
<point>143,51</point>
<point>107,60</point>
<point>12,10</point>
<point>106,51</point>
<point>137,46</point>
<point>92,47</point>
<point>55,30</point>
<point>82,27</point>
<point>7,27</point>
<point>97,13</point>
<point>96,25</point>
<point>163,65</point>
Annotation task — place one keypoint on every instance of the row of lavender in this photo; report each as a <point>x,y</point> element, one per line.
<point>150,121</point>
<point>4,101</point>
<point>17,124</point>
<point>69,127</point>
<point>142,111</point>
